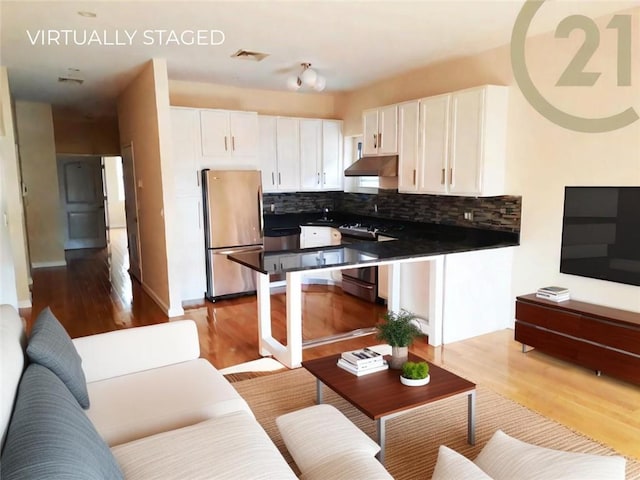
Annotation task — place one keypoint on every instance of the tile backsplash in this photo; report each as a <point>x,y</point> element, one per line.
<point>494,213</point>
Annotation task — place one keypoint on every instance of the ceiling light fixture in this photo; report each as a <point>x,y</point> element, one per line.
<point>308,78</point>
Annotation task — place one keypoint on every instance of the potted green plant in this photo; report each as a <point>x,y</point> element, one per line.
<point>398,330</point>
<point>415,374</point>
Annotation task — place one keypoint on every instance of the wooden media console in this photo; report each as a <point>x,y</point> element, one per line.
<point>604,339</point>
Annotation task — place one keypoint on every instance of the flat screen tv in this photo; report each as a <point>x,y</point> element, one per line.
<point>601,233</point>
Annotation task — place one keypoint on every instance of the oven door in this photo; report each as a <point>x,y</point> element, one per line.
<point>363,281</point>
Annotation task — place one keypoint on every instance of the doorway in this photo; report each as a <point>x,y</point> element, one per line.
<point>82,198</point>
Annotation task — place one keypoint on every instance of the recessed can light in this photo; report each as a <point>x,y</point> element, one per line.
<point>84,13</point>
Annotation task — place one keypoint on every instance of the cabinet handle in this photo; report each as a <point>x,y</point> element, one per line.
<point>273,182</point>
<point>324,177</point>
<point>233,143</point>
<point>414,176</point>
<point>379,140</point>
<point>279,178</point>
<point>225,143</point>
<point>451,176</point>
<point>197,179</point>
<point>375,140</point>
<point>442,177</point>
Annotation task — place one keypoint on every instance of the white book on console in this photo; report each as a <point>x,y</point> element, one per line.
<point>553,290</point>
<point>553,298</point>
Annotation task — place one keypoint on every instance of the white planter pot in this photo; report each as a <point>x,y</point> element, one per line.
<point>410,382</point>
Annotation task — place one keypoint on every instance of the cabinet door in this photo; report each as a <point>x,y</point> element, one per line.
<point>332,173</point>
<point>185,133</point>
<point>267,159</point>
<point>465,155</point>
<point>388,130</point>
<point>214,129</point>
<point>310,154</point>
<point>370,132</point>
<point>288,153</point>
<point>243,128</point>
<point>191,259</point>
<point>408,114</point>
<point>434,144</point>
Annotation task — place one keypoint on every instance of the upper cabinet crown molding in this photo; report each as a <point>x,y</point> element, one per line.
<point>380,130</point>
<point>461,143</point>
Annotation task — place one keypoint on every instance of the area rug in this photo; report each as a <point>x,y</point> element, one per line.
<point>413,439</point>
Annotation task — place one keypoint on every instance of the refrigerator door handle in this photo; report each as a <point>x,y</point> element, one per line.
<point>260,216</point>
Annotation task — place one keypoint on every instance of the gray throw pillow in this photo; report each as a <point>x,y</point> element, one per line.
<point>51,437</point>
<point>50,346</point>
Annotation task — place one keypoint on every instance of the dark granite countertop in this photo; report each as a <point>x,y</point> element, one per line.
<point>412,240</point>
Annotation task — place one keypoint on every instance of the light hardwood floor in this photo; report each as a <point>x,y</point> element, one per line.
<point>94,294</point>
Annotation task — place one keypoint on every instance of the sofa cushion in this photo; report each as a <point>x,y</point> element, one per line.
<point>348,466</point>
<point>133,406</point>
<point>233,446</point>
<point>50,436</point>
<point>506,458</point>
<point>450,465</point>
<point>317,434</point>
<point>13,340</point>
<point>50,346</point>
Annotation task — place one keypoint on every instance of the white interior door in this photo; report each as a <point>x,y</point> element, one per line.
<point>131,211</point>
<point>82,196</point>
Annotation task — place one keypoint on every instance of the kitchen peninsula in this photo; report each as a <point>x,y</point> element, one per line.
<point>469,272</point>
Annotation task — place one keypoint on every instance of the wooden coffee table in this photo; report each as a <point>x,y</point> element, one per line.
<point>381,396</point>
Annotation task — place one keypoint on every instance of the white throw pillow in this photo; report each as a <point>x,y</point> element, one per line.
<point>452,466</point>
<point>506,458</point>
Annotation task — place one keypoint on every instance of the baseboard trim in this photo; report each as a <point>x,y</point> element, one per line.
<point>169,312</point>
<point>58,263</point>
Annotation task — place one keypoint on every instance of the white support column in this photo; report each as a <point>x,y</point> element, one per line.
<point>436,300</point>
<point>293,356</point>
<point>264,313</point>
<point>393,302</point>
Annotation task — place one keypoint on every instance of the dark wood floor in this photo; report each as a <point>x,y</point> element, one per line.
<point>94,293</point>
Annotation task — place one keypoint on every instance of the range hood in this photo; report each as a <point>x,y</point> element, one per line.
<point>374,166</point>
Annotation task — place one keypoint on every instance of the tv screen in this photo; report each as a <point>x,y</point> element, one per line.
<point>601,233</point>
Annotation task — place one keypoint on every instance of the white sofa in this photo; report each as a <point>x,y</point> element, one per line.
<point>158,410</point>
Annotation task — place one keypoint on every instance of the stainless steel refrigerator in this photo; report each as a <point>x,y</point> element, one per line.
<point>232,202</point>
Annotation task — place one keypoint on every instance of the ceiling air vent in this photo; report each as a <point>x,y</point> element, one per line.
<point>247,55</point>
<point>73,76</point>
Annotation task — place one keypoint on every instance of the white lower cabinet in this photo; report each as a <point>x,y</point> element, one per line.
<point>314,237</point>
<point>414,287</point>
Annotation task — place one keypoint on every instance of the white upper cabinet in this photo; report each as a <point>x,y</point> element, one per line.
<point>310,154</point>
<point>229,139</point>
<point>434,144</point>
<point>288,154</point>
<point>462,140</point>
<point>332,171</point>
<point>320,154</point>
<point>380,130</point>
<point>185,132</point>
<point>408,117</point>
<point>267,152</point>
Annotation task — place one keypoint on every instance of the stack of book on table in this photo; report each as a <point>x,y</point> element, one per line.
<point>555,294</point>
<point>362,362</point>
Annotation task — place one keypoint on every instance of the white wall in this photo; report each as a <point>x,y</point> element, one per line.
<point>14,262</point>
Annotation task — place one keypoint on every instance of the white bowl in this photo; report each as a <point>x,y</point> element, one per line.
<point>414,383</point>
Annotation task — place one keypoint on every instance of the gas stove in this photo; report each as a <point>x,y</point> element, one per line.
<point>368,231</point>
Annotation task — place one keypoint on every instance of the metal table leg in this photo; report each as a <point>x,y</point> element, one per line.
<point>381,427</point>
<point>471,418</point>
